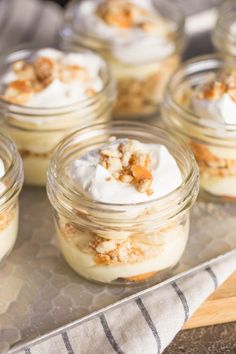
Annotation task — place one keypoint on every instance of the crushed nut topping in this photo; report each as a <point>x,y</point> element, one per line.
<point>125,15</point>
<point>129,164</point>
<point>224,82</point>
<point>33,77</point>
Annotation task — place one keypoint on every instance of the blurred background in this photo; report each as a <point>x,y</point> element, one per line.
<point>190,6</point>
<point>39,21</point>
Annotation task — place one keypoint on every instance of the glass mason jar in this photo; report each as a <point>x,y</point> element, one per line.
<point>139,241</point>
<point>224,33</point>
<point>213,142</point>
<point>141,67</point>
<point>37,130</point>
<point>11,181</point>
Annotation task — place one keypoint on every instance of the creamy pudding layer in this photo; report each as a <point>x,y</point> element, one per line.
<point>8,222</point>
<point>124,172</point>
<point>8,230</point>
<point>140,49</point>
<point>44,87</point>
<point>215,103</point>
<point>135,259</point>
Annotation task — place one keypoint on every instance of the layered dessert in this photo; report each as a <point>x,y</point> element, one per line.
<point>215,104</point>
<point>139,43</point>
<point>8,220</point>
<point>49,93</point>
<point>131,245</point>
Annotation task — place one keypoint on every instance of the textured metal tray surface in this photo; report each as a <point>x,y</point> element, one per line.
<point>39,293</point>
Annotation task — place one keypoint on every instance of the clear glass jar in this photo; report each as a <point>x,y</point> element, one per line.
<point>37,130</point>
<point>10,187</point>
<point>147,238</point>
<point>213,142</point>
<point>141,74</point>
<point>224,32</point>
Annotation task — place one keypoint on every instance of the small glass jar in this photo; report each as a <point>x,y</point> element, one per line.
<point>141,67</point>
<point>10,187</point>
<point>139,241</point>
<point>224,32</point>
<point>213,142</point>
<point>37,130</point>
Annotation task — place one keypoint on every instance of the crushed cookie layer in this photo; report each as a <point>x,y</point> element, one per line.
<point>34,77</point>
<point>128,163</point>
<point>109,251</point>
<point>212,165</point>
<point>142,95</point>
<point>27,153</point>
<point>224,82</point>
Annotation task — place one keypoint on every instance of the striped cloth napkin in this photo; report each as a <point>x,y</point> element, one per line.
<point>149,323</point>
<point>144,326</point>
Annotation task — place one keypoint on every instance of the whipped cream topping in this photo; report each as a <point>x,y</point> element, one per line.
<point>141,35</point>
<point>96,181</point>
<point>52,78</point>
<point>216,100</point>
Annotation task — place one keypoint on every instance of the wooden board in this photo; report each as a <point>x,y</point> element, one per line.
<point>220,307</point>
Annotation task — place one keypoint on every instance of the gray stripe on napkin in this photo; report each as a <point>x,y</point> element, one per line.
<point>27,351</point>
<point>67,343</point>
<point>213,276</point>
<point>150,323</point>
<point>109,335</point>
<point>183,300</point>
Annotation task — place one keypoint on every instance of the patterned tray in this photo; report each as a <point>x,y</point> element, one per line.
<point>39,293</point>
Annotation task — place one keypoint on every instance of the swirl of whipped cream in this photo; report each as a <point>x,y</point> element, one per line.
<point>129,44</point>
<point>74,77</point>
<point>216,100</point>
<point>95,181</point>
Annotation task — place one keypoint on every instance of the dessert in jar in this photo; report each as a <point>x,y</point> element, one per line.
<point>224,32</point>
<point>11,180</point>
<point>121,196</point>
<point>141,39</point>
<point>200,106</point>
<point>45,94</point>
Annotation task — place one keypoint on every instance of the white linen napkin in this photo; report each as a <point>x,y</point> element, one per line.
<point>147,324</point>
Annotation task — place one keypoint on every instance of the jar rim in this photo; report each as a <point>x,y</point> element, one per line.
<point>185,190</point>
<point>190,67</point>
<point>29,48</point>
<point>222,23</point>
<point>13,175</point>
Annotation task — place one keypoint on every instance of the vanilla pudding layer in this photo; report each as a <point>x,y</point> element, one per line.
<point>8,231</point>
<point>36,146</point>
<point>219,186</point>
<point>223,183</point>
<point>161,251</point>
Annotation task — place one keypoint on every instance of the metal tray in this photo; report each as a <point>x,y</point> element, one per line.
<point>39,293</point>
